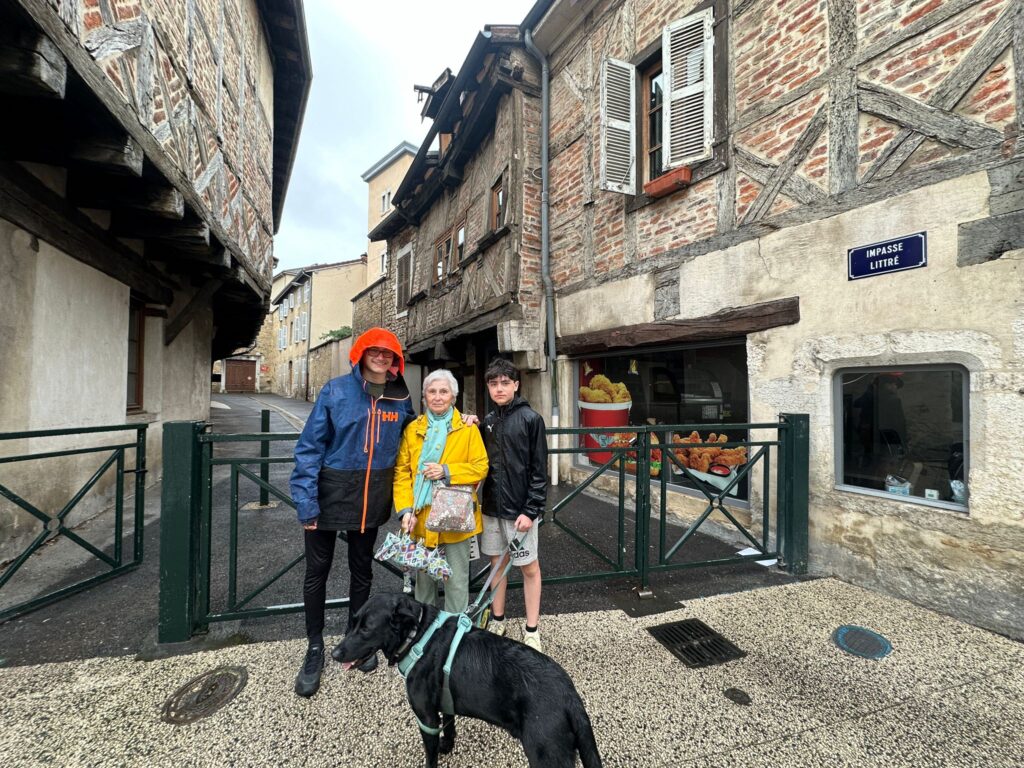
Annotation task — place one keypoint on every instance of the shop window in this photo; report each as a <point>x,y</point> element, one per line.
<point>693,386</point>
<point>903,432</point>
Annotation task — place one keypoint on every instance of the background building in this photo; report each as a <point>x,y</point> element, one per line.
<point>382,180</point>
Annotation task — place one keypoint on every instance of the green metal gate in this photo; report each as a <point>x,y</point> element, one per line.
<point>190,512</point>
<point>54,525</point>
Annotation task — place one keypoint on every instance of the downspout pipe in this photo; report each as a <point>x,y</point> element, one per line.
<point>545,239</point>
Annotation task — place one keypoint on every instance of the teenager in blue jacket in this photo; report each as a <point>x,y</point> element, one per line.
<point>344,468</point>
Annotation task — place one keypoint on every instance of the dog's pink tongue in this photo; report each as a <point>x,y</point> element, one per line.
<point>347,665</point>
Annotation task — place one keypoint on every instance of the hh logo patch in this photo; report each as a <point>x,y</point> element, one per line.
<point>389,416</point>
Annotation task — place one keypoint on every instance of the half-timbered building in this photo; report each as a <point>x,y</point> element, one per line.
<point>145,152</point>
<point>810,206</point>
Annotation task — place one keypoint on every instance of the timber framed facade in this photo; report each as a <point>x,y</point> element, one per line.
<point>145,153</point>
<point>725,287</point>
<point>464,232</point>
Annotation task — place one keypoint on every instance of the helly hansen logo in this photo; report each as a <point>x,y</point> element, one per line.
<point>388,416</point>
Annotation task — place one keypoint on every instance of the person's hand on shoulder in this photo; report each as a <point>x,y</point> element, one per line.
<point>470,419</point>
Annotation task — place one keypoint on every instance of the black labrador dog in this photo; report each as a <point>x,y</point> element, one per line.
<point>493,679</point>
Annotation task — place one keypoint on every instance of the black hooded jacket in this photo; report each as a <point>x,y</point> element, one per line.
<point>517,450</point>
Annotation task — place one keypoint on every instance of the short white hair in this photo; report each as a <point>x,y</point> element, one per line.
<point>445,375</point>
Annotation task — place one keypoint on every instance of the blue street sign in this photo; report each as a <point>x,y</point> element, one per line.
<point>908,252</point>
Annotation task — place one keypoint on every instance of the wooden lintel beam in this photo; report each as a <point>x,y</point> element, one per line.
<point>200,300</point>
<point>30,204</point>
<point>164,252</point>
<point>728,323</point>
<point>189,234</point>
<point>112,152</point>
<point>89,190</point>
<point>30,64</point>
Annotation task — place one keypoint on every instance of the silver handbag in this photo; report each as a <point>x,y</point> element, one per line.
<point>452,510</point>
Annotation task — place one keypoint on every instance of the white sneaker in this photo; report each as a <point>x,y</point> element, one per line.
<point>496,627</point>
<point>532,640</point>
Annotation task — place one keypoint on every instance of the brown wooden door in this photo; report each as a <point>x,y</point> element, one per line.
<point>240,375</point>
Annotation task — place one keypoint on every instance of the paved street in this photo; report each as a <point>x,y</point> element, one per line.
<point>76,692</point>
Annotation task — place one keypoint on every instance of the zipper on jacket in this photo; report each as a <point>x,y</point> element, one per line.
<point>369,465</point>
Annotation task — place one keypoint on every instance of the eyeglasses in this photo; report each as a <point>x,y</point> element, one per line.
<point>378,352</point>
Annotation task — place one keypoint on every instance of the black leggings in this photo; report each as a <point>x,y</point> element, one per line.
<point>319,556</point>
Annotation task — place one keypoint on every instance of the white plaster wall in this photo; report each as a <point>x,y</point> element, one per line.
<point>969,565</point>
<point>611,305</point>
<point>63,363</point>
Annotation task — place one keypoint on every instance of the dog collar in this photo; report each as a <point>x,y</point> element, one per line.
<point>407,643</point>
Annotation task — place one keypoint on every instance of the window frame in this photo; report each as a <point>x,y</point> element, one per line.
<point>402,307</point>
<point>646,73</point>
<point>496,206</point>
<point>442,258</point>
<point>721,77</point>
<point>384,262</point>
<point>839,435</point>
<point>136,316</point>
<point>458,250</point>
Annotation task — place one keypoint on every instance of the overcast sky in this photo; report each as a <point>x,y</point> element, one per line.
<point>367,55</point>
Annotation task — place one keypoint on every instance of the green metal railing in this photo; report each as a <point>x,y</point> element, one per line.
<point>188,512</point>
<point>54,525</point>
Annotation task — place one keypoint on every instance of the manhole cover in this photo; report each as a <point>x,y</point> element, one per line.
<point>695,643</point>
<point>862,642</point>
<point>204,695</point>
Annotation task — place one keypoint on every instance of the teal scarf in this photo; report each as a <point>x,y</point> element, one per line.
<point>438,428</point>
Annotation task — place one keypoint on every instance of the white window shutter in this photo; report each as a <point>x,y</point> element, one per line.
<point>618,126</point>
<point>687,49</point>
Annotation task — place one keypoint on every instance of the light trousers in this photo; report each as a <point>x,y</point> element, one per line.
<point>456,588</point>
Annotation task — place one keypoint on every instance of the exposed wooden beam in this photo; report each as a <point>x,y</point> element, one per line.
<point>30,64</point>
<point>201,300</point>
<point>947,127</point>
<point>796,186</point>
<point>113,152</point>
<point>27,202</point>
<point>114,192</point>
<point>217,258</point>
<point>82,62</point>
<point>728,323</point>
<point>188,234</point>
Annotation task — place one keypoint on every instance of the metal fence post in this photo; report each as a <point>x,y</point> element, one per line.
<point>179,530</point>
<point>264,454</point>
<point>797,476</point>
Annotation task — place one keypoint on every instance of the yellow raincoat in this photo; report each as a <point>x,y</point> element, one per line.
<point>466,459</point>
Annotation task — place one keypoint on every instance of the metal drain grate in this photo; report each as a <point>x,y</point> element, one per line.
<point>860,641</point>
<point>695,643</point>
<point>204,695</point>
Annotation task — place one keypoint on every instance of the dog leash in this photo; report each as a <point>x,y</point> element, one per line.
<point>486,596</point>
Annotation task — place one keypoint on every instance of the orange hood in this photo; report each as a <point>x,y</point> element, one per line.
<point>378,337</point>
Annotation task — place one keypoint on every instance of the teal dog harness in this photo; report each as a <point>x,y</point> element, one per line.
<point>416,653</point>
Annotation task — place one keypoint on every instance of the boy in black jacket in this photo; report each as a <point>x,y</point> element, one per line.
<point>515,492</point>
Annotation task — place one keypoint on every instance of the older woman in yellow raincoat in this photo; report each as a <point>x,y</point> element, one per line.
<point>439,446</point>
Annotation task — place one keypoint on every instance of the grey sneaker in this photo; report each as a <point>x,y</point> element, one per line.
<point>496,627</point>
<point>307,682</point>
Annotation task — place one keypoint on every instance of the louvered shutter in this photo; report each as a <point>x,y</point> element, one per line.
<point>618,131</point>
<point>686,51</point>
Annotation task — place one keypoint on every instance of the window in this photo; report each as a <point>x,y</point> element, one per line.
<point>653,102</point>
<point>460,244</point>
<point>304,326</point>
<point>676,92</point>
<point>497,208</point>
<point>136,340</point>
<point>384,263</point>
<point>403,280</point>
<point>696,384</point>
<point>308,290</point>
<point>442,257</point>
<point>903,431</point>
